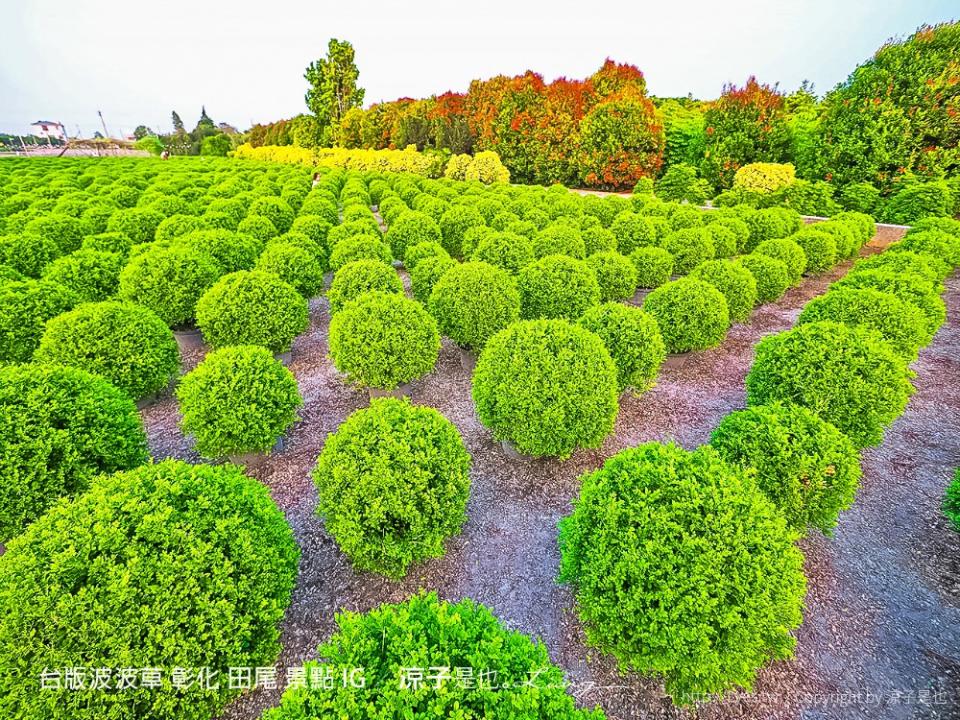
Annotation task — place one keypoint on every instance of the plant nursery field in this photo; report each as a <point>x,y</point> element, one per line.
<point>285,445</point>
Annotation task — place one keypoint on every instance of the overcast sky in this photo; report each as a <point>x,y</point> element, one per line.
<point>63,60</point>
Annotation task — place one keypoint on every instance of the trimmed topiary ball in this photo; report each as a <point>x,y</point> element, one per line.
<point>25,307</point>
<point>28,254</point>
<point>426,274</point>
<point>936,243</point>
<point>598,239</point>
<point>275,210</point>
<point>849,376</point>
<point>410,229</point>
<point>168,565</point>
<point>772,276</point>
<point>383,340</point>
<point>632,338</point>
<point>139,224</point>
<point>724,240</point>
<point>239,399</point>
<point>259,227</point>
<point>689,247</point>
<point>420,251</point>
<point>898,322</point>
<point>359,247</point>
<point>547,387</point>
<point>803,464</point>
<point>789,253</point>
<point>557,286</point>
<point>473,301</point>
<point>654,266</point>
<point>251,307</point>
<point>358,277</point>
<point>910,288</point>
<point>737,284</point>
<point>454,223</point>
<point>559,239</point>
<point>819,248</point>
<point>692,314</point>
<point>88,274</point>
<point>59,428</point>
<point>169,281</point>
<point>67,232</point>
<point>108,243</point>
<point>633,231</point>
<point>231,251</point>
<point>505,250</point>
<point>424,631</point>
<point>293,265</point>
<point>616,275</point>
<point>930,269</point>
<point>125,343</point>
<point>413,461</point>
<point>682,568</point>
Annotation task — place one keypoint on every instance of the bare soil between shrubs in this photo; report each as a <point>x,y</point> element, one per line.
<point>881,635</point>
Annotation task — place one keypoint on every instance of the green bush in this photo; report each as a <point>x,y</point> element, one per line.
<point>239,399</point>
<point>59,428</point>
<point>546,386</point>
<point>424,631</point>
<point>598,239</point>
<point>231,251</point>
<point>505,250</point>
<point>25,307</point>
<point>169,281</point>
<point>936,243</point>
<point>949,225</point>
<point>409,229</point>
<point>177,226</point>
<point>168,565</point>
<point>413,461</point>
<point>275,210</point>
<point>426,274</point>
<point>772,276</point>
<point>860,197</point>
<point>684,217</point>
<point>739,228</point>
<point>473,301</point>
<point>361,276</point>
<point>125,343</point>
<point>898,322</point>
<point>724,239</point>
<point>654,266</point>
<point>138,224</point>
<point>789,253</point>
<point>8,274</point>
<point>768,224</point>
<point>313,226</point>
<point>929,268</point>
<point>559,239</point>
<point>557,286</point>
<point>692,314</point>
<point>28,254</point>
<point>689,247</point>
<point>633,231</point>
<point>252,308</point>
<point>67,232</point>
<point>919,200</point>
<point>951,502</point>
<point>422,250</point>
<point>804,465</point>
<point>681,183</point>
<point>736,282</point>
<point>259,227</point>
<point>108,242</point>
<point>454,223</point>
<point>616,275</point>
<point>383,340</point>
<point>316,250</point>
<point>473,237</point>
<point>864,224</point>
<point>819,248</point>
<point>910,288</point>
<point>846,234</point>
<point>849,376</point>
<point>681,567</point>
<point>294,266</point>
<point>360,247</point>
<point>88,274</point>
<point>632,338</point>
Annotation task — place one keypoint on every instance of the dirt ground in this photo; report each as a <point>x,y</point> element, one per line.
<point>881,636</point>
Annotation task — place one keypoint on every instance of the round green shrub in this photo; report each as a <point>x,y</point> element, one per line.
<point>427,272</point>
<point>897,321</point>
<point>108,242</point>
<point>764,225</point>
<point>350,231</point>
<point>633,231</point>
<point>88,274</point>
<point>138,224</point>
<point>864,224</point>
<point>28,254</point>
<point>772,275</point>
<point>930,269</point>
<point>361,276</point>
<point>557,286</point>
<point>8,274</point>
<point>316,250</point>
<point>910,288</point>
<point>177,226</point>
<point>819,248</point>
<point>846,236</point>
<point>67,232</point>
<point>59,428</point>
<point>559,239</point>
<point>167,565</point>
<point>951,502</point>
<point>169,281</point>
<point>736,282</point>
<point>473,301</point>
<point>654,266</point>
<point>692,314</point>
<point>739,228</point>
<point>125,343</point>
<point>689,247</point>
<point>383,340</point>
<point>259,227</point>
<point>860,197</point>
<point>616,275</point>
<point>413,461</point>
<point>632,338</point>
<point>849,376</point>
<point>424,631</point>
<point>422,250</point>
<point>789,253</point>
<point>293,265</point>
<point>360,247</point>
<point>251,307</point>
<point>804,465</point>
<point>941,245</point>
<point>598,239</point>
<point>25,308</point>
<point>505,250</point>
<point>455,223</point>
<point>232,251</point>
<point>724,240</point>
<point>313,226</point>
<point>239,399</point>
<point>683,217</point>
<point>275,210</point>
<point>472,238</point>
<point>546,386</point>
<point>681,567</point>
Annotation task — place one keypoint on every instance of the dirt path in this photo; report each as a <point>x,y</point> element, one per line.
<point>882,609</point>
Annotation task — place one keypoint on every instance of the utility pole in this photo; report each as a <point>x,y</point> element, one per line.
<point>104,124</point>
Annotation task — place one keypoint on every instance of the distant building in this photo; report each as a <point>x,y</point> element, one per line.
<point>49,130</point>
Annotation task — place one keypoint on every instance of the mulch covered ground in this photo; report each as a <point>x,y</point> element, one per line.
<point>881,637</point>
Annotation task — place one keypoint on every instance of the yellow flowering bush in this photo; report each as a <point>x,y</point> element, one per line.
<point>764,177</point>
